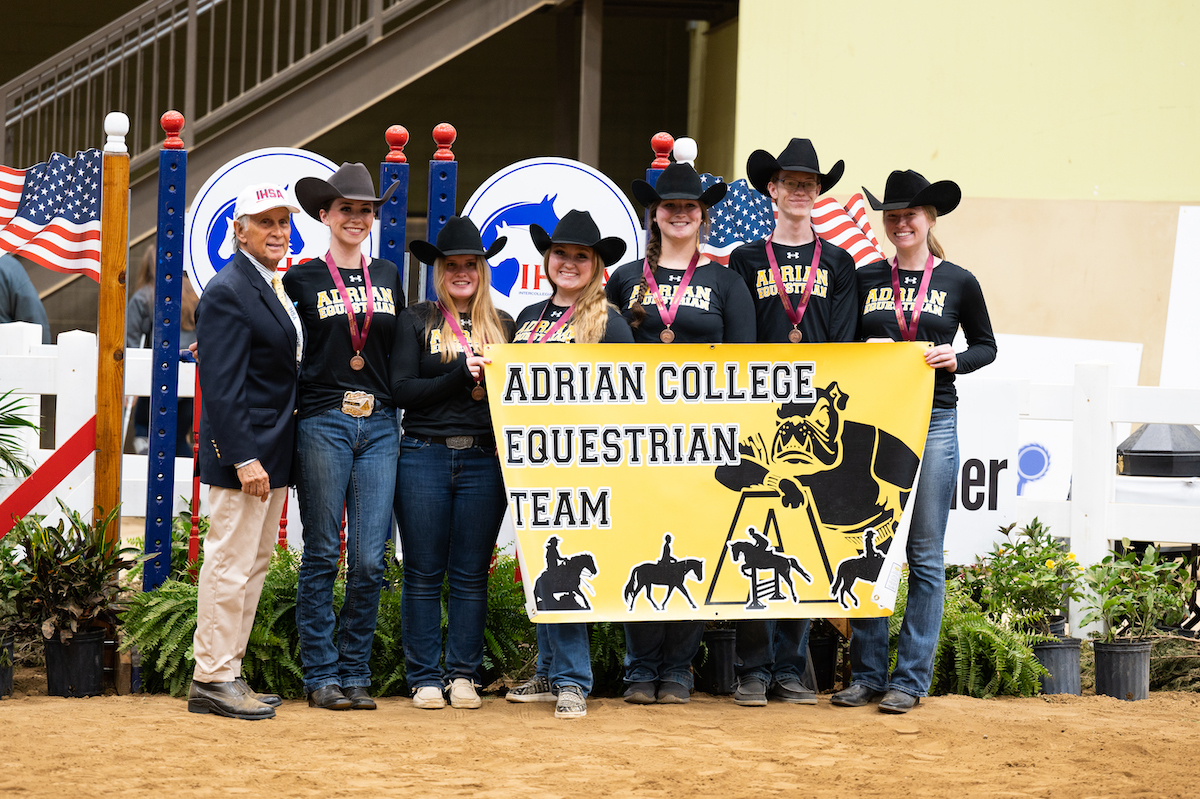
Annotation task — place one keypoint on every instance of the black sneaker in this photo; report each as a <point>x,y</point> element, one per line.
<point>750,692</point>
<point>789,689</point>
<point>640,693</point>
<point>673,693</point>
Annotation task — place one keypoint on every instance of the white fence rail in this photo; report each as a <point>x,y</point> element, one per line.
<point>1092,519</point>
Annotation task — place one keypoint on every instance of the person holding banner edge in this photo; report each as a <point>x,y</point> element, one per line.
<point>451,493</point>
<point>578,311</point>
<point>937,298</point>
<point>718,309</point>
<point>804,291</point>
<point>347,436</point>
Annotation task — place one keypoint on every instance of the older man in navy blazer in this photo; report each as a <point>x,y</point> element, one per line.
<point>250,340</point>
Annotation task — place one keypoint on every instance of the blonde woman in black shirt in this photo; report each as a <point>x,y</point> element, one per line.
<point>451,494</point>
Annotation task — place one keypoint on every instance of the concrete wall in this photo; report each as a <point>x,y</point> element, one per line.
<point>1070,127</point>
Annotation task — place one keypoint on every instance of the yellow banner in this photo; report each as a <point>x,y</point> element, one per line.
<point>702,481</point>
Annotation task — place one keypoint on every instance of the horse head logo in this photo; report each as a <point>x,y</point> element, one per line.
<point>502,222</point>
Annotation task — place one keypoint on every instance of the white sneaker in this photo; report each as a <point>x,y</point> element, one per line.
<point>429,697</point>
<point>463,694</point>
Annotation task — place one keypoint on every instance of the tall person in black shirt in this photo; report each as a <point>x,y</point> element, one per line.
<point>936,298</point>
<point>675,295</point>
<point>577,312</point>
<point>451,494</point>
<point>803,290</point>
<point>347,437</point>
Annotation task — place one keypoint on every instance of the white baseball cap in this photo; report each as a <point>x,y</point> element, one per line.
<point>262,197</point>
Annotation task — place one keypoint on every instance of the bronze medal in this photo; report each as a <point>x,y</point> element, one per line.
<point>667,336</point>
<point>478,393</point>
<point>795,336</point>
<point>357,363</point>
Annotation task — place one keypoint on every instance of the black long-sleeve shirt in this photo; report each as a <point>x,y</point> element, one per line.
<point>436,395</point>
<point>717,309</point>
<point>831,316</point>
<point>954,298</point>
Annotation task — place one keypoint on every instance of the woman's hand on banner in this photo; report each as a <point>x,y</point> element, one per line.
<point>942,357</point>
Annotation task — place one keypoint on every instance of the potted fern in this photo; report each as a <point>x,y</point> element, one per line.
<point>71,592</point>
<point>1027,581</point>
<point>13,574</point>
<point>1132,594</point>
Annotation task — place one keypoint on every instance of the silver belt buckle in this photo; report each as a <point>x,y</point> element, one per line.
<point>459,442</point>
<point>358,403</point>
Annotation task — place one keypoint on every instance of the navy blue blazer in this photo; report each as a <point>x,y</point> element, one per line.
<point>248,377</point>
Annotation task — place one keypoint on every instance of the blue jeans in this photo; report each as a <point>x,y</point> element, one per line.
<point>344,460</point>
<point>922,624</point>
<point>451,504</point>
<point>661,651</point>
<point>565,655</point>
<point>772,649</point>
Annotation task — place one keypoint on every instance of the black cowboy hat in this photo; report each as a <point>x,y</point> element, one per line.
<point>909,189</point>
<point>459,236</point>
<point>577,227</point>
<point>351,181</point>
<point>798,156</point>
<point>678,182</point>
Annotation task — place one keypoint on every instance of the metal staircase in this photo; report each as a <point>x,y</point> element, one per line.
<point>245,73</point>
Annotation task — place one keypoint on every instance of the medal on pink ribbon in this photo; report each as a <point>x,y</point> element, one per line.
<point>667,312</point>
<point>358,339</point>
<point>478,392</point>
<point>908,330</point>
<point>794,315</point>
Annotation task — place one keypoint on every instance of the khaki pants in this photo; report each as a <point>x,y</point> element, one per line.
<point>237,550</point>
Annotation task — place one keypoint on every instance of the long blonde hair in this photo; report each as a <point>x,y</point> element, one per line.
<point>934,245</point>
<point>653,252</point>
<point>590,317</point>
<point>485,322</point>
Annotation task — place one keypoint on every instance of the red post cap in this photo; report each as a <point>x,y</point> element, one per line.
<point>172,124</point>
<point>396,136</point>
<point>443,136</point>
<point>661,143</point>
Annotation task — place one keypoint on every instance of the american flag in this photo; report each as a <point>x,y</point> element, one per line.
<point>742,216</point>
<point>745,215</point>
<point>848,229</point>
<point>50,213</point>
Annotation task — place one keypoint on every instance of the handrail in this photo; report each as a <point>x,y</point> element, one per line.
<point>220,57</point>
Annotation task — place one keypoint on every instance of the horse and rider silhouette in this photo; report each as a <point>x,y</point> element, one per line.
<point>757,555</point>
<point>562,585</point>
<point>667,571</point>
<point>863,567</point>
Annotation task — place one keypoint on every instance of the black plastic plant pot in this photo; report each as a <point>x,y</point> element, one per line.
<point>1057,624</point>
<point>6,666</point>
<point>1123,669</point>
<point>1061,659</point>
<point>76,668</point>
<point>824,651</point>
<point>715,675</point>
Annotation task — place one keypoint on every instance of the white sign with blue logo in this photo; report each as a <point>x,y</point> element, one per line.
<point>208,226</point>
<point>542,191</point>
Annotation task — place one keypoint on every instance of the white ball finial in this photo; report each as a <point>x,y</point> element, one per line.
<point>685,151</point>
<point>116,125</point>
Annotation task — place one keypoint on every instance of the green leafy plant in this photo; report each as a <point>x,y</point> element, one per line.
<point>181,531</point>
<point>1133,593</point>
<point>11,420</point>
<point>510,639</point>
<point>74,573</point>
<point>1028,577</point>
<point>161,624</point>
<point>975,655</point>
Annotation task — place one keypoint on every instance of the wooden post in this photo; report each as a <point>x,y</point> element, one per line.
<point>110,378</point>
<point>591,35</point>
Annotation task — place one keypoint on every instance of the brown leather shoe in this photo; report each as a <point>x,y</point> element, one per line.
<point>330,698</point>
<point>274,700</point>
<point>359,698</point>
<point>226,699</point>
